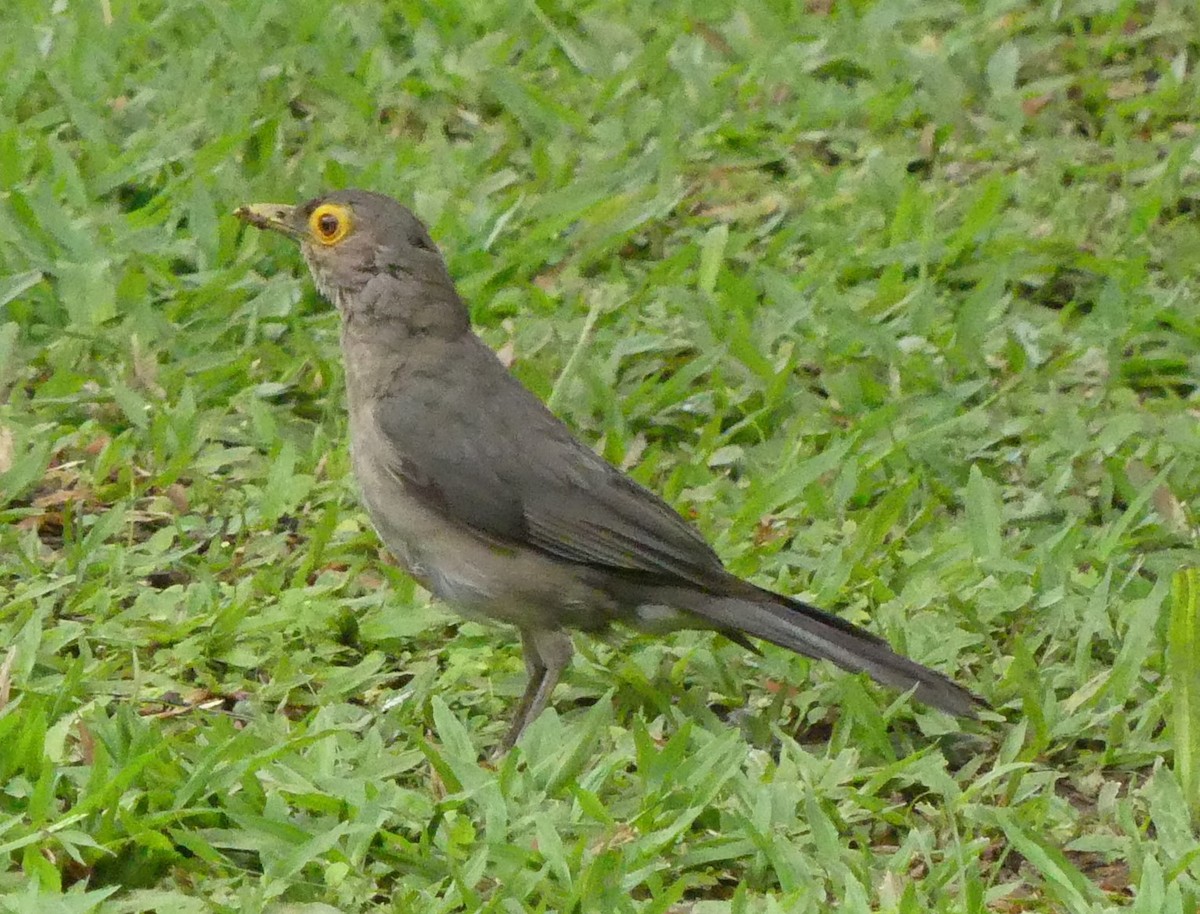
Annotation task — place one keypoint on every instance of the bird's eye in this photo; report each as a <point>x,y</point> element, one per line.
<point>329,223</point>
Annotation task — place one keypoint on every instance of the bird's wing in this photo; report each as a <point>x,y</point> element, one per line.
<point>484,451</point>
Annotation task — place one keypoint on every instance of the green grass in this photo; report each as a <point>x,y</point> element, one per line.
<point>898,301</point>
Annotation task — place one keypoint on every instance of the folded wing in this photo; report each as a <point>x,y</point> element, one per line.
<point>520,477</point>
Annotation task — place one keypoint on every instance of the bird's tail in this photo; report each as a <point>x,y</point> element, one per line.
<point>810,631</point>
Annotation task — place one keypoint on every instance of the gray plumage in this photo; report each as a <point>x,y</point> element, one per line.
<point>489,501</point>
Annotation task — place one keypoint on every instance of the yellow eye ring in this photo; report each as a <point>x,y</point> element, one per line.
<point>329,223</point>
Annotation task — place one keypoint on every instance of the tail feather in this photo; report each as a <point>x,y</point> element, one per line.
<point>810,631</point>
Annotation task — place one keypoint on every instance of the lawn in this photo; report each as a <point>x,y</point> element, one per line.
<point>896,300</point>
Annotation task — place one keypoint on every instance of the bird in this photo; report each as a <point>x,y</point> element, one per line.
<point>491,503</point>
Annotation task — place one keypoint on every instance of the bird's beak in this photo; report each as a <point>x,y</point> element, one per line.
<point>274,216</point>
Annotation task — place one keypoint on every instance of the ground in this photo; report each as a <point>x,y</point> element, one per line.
<point>896,300</point>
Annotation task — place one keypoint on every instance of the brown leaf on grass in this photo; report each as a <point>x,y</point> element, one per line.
<point>1169,508</point>
<point>57,497</point>
<point>87,743</point>
<point>177,495</point>
<point>620,835</point>
<point>547,279</point>
<point>97,445</point>
<point>1031,106</point>
<point>60,486</point>
<point>712,38</point>
<point>369,580</point>
<point>818,7</point>
<point>47,525</point>
<point>6,449</point>
<point>768,530</point>
<point>61,475</point>
<point>775,687</point>
<point>6,677</point>
<point>1109,876</point>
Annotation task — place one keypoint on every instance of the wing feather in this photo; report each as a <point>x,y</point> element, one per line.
<point>486,452</point>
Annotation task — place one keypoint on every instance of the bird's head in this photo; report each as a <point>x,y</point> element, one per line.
<point>362,248</point>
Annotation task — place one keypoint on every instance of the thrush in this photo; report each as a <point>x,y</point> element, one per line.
<point>493,505</point>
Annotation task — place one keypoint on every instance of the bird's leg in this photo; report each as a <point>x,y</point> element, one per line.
<point>535,669</point>
<point>554,647</point>
<point>547,653</point>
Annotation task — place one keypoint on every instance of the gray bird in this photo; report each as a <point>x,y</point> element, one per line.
<point>492,504</point>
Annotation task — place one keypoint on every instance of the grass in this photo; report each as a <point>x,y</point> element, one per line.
<point>897,300</point>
